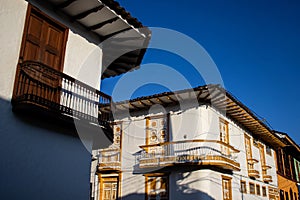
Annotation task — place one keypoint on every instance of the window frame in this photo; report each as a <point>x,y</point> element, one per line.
<point>264,191</point>
<point>257,189</point>
<point>243,187</point>
<point>252,184</point>
<point>229,179</point>
<point>113,179</point>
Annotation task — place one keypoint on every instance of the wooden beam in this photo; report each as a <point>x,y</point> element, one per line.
<point>86,13</point>
<point>250,123</point>
<point>170,98</point>
<point>127,39</point>
<point>141,102</point>
<point>240,114</point>
<point>200,92</point>
<point>216,94</point>
<point>234,109</point>
<point>101,24</point>
<point>162,101</point>
<point>223,98</point>
<point>134,106</point>
<point>117,32</point>
<point>205,97</point>
<point>150,101</point>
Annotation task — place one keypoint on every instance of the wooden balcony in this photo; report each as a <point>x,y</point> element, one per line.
<point>45,89</point>
<point>189,152</point>
<point>252,172</point>
<point>266,178</point>
<point>109,159</point>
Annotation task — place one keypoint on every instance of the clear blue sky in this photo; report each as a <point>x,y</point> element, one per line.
<point>255,45</point>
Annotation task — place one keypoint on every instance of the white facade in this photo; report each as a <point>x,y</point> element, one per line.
<point>200,128</point>
<point>41,159</point>
<point>40,163</point>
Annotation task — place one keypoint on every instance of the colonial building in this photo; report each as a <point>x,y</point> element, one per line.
<point>288,168</point>
<point>53,55</point>
<point>199,143</point>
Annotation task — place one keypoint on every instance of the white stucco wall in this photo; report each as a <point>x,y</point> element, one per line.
<point>41,161</point>
<point>185,125</point>
<point>12,17</point>
<point>133,136</point>
<point>200,184</point>
<point>83,60</point>
<point>132,186</point>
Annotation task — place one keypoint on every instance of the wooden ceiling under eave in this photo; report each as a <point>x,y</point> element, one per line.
<point>123,38</point>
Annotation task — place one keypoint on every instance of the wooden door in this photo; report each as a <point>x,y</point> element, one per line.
<point>44,40</point>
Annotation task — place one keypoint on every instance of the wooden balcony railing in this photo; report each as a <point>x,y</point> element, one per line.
<point>41,86</point>
<point>189,152</point>
<point>109,159</point>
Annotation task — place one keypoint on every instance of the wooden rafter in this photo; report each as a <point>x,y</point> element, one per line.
<point>86,13</point>
<point>141,102</point>
<point>117,32</point>
<point>131,104</point>
<point>205,97</point>
<point>170,98</point>
<point>101,24</point>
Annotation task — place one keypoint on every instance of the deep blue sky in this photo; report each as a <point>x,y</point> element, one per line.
<point>255,45</point>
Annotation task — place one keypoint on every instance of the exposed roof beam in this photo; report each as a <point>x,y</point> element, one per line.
<point>162,101</point>
<point>126,39</point>
<point>88,12</point>
<point>223,98</point>
<point>205,97</point>
<point>234,109</point>
<point>170,98</point>
<point>218,92</point>
<point>101,24</point>
<point>141,102</point>
<point>134,106</point>
<point>117,32</point>
<point>200,92</point>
